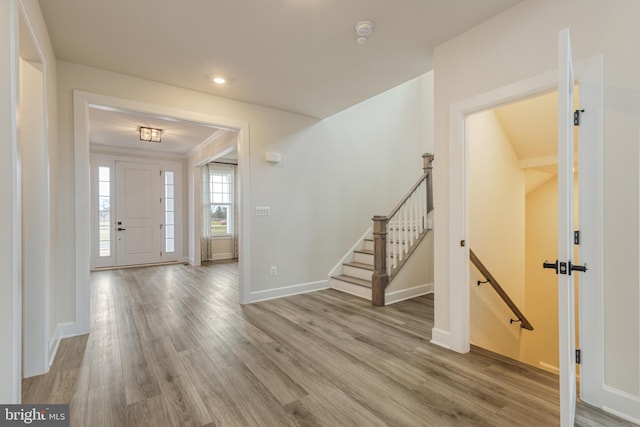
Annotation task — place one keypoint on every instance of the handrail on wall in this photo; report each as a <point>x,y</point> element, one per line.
<point>524,323</point>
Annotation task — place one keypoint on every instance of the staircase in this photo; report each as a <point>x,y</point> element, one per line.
<point>371,264</point>
<point>355,272</point>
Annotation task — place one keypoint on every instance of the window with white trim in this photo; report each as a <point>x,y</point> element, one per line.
<point>169,212</point>
<point>104,211</point>
<point>220,202</point>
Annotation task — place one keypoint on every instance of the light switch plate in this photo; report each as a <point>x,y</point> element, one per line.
<point>263,211</point>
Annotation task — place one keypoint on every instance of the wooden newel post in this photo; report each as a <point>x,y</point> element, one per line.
<point>380,278</point>
<point>427,160</point>
<point>427,166</point>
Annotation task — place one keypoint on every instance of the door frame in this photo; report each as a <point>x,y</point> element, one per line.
<point>591,284</point>
<point>101,158</point>
<point>82,101</point>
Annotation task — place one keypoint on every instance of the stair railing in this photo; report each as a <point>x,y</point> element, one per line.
<point>397,235</point>
<point>524,323</point>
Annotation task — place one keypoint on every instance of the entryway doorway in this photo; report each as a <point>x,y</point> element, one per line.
<point>513,227</point>
<point>137,209</point>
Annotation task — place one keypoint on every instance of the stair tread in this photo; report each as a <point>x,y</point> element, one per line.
<point>353,280</point>
<point>364,251</point>
<point>359,265</point>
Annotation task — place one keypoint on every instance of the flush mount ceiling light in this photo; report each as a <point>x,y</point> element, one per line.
<point>219,80</point>
<point>150,134</point>
<point>363,30</point>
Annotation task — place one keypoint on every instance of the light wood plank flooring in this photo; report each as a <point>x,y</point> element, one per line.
<point>170,346</point>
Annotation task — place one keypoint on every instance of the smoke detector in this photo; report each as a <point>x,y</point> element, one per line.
<point>363,30</point>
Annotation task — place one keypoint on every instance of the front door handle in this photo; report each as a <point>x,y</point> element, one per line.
<point>551,265</point>
<point>121,229</point>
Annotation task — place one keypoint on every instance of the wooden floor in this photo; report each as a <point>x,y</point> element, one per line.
<point>170,346</point>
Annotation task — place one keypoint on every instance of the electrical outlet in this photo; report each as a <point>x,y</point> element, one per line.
<point>274,270</point>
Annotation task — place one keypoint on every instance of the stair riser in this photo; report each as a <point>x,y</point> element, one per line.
<point>363,258</point>
<point>368,245</point>
<point>360,273</point>
<point>350,288</point>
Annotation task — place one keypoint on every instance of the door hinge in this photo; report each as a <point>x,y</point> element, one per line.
<point>576,237</point>
<point>578,356</point>
<point>576,117</point>
<point>160,253</point>
<point>160,173</point>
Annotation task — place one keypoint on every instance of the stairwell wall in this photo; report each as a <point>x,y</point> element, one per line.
<point>496,233</point>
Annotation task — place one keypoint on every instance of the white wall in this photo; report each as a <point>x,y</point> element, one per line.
<point>32,24</point>
<point>35,220</point>
<point>334,176</point>
<point>541,346</point>
<point>10,256</point>
<point>522,43</point>
<point>496,233</point>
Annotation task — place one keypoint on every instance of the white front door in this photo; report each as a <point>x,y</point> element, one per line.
<point>138,218</point>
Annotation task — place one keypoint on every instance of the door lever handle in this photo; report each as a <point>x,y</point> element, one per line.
<point>551,265</point>
<point>581,268</point>
<point>121,229</point>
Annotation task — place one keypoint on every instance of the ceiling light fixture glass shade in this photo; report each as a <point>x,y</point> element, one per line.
<point>150,134</point>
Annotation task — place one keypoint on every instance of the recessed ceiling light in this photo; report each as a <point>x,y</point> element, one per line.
<point>219,80</point>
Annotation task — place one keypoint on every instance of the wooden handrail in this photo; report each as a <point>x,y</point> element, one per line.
<point>406,197</point>
<point>381,274</point>
<point>427,160</point>
<point>524,323</point>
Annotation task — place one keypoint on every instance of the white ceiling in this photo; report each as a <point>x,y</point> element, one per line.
<point>120,130</point>
<point>531,125</point>
<point>294,55</point>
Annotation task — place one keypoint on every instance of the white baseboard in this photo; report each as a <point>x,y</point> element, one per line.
<point>549,368</point>
<point>405,294</point>
<point>441,338</point>
<point>218,257</point>
<point>286,291</point>
<point>70,329</point>
<point>63,330</point>
<point>54,343</point>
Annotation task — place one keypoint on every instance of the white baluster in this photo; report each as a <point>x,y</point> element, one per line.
<point>423,204</point>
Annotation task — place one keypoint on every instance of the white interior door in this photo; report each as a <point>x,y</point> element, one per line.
<point>138,213</point>
<point>565,267</point>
